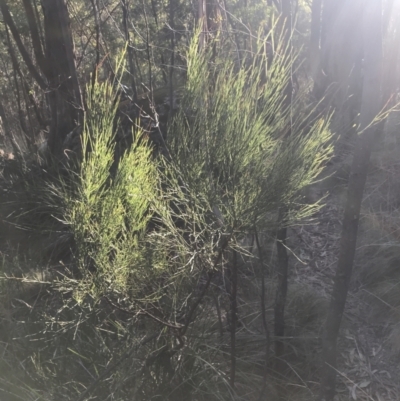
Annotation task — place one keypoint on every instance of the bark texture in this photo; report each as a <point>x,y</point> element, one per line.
<point>65,95</point>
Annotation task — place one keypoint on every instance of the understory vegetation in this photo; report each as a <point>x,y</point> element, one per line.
<point>150,294</point>
<point>173,185</point>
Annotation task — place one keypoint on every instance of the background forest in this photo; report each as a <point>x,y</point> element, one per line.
<point>199,200</point>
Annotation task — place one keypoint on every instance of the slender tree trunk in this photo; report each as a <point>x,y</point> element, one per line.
<point>39,24</point>
<point>35,36</point>
<point>330,36</point>
<point>65,96</point>
<point>95,76</point>
<point>57,65</point>
<point>337,75</point>
<point>370,107</point>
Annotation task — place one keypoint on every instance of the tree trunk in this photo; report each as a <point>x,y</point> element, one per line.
<point>372,38</point>
<point>65,95</point>
<point>337,76</point>
<point>35,36</point>
<point>339,22</point>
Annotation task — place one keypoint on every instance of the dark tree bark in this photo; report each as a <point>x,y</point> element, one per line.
<point>57,65</point>
<point>372,35</point>
<point>95,7</point>
<point>37,17</point>
<point>35,36</point>
<point>65,95</point>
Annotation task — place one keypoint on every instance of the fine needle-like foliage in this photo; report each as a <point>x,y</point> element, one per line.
<point>231,164</point>
<point>108,214</point>
<point>230,146</point>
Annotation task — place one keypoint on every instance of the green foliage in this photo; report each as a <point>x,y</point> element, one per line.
<point>151,230</point>
<point>235,156</point>
<point>236,144</point>
<point>107,215</point>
